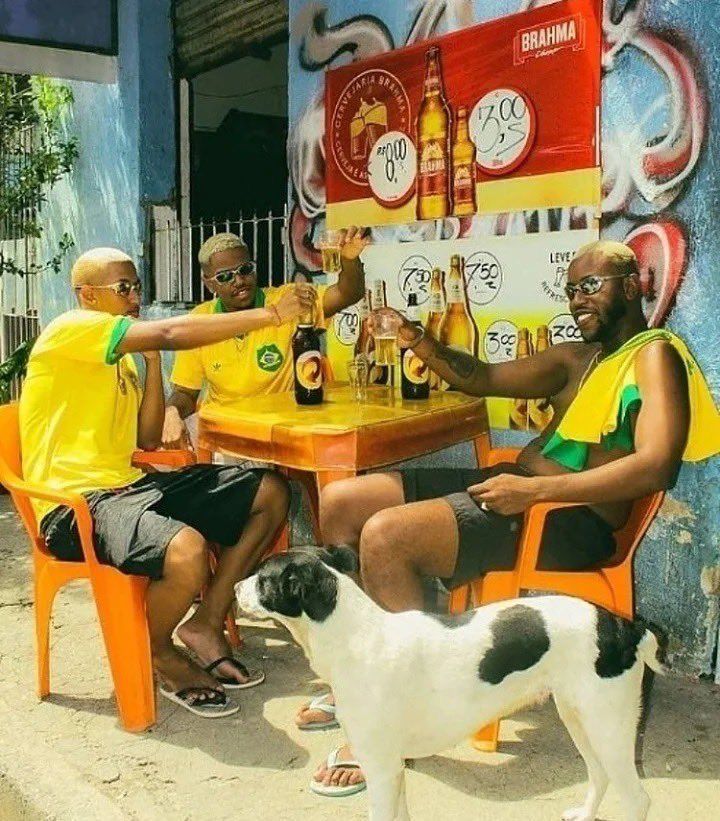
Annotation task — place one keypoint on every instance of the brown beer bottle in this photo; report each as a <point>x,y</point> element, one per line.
<point>307,361</point>
<point>414,381</point>
<point>540,411</point>
<point>463,168</point>
<point>379,374</point>
<point>435,314</point>
<point>362,344</point>
<point>433,131</point>
<point>519,407</point>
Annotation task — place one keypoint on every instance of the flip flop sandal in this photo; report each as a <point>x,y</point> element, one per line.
<point>231,683</point>
<point>335,790</point>
<point>202,701</point>
<point>320,703</point>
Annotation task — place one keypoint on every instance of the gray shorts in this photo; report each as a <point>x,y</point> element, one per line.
<point>133,525</point>
<point>575,538</point>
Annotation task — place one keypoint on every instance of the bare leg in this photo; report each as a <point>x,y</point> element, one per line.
<point>168,600</point>
<point>203,632</point>
<point>401,545</point>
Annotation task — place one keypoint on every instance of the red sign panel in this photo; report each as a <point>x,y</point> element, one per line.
<point>432,129</point>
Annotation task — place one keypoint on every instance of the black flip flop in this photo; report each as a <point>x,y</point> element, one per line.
<point>231,683</point>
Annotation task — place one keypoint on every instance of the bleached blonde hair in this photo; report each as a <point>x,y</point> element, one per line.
<point>620,256</point>
<point>89,266</point>
<point>218,242</point>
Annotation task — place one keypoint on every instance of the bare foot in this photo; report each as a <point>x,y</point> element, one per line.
<point>339,776</point>
<point>209,643</point>
<point>176,672</point>
<point>308,715</point>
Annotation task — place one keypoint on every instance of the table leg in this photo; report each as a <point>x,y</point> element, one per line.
<point>482,449</point>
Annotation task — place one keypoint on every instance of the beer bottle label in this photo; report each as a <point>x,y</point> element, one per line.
<point>308,370</point>
<point>463,185</point>
<point>414,369</point>
<point>454,291</point>
<point>436,303</point>
<point>433,169</point>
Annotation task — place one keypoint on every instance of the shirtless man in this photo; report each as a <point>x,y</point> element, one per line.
<point>457,524</point>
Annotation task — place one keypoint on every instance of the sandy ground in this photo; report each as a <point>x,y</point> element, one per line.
<point>69,759</point>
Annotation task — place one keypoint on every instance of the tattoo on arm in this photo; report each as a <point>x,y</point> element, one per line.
<point>461,364</point>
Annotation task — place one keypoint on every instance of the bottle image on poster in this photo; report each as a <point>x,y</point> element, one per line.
<point>379,372</point>
<point>458,329</point>
<point>540,411</point>
<point>433,133</point>
<point>435,314</point>
<point>463,168</point>
<point>519,407</point>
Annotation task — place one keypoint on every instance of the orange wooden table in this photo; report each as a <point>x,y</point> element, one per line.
<point>341,437</point>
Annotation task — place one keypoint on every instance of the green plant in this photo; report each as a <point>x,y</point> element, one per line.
<point>34,154</point>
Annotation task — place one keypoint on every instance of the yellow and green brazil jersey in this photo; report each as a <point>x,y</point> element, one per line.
<point>79,406</point>
<point>254,364</point>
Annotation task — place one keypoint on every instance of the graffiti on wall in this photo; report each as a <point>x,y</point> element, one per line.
<point>649,155</point>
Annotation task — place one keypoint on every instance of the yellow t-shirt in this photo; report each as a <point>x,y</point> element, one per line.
<point>79,407</point>
<point>254,364</point>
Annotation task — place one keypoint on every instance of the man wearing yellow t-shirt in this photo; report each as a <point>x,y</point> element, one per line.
<point>83,412</point>
<point>259,362</point>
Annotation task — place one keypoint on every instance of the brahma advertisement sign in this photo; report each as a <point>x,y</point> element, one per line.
<point>502,116</point>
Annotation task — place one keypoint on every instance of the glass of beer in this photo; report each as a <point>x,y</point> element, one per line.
<point>329,245</point>
<point>385,328</point>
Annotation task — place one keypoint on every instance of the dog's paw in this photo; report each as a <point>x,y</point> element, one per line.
<point>577,814</point>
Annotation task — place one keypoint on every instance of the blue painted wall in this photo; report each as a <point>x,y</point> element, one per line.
<point>659,56</point>
<point>126,139</point>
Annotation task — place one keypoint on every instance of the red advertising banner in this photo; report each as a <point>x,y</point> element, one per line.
<point>501,116</point>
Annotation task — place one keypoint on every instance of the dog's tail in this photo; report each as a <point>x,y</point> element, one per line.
<point>651,650</point>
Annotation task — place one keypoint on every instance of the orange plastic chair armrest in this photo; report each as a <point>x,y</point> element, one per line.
<point>533,527</point>
<point>497,455</point>
<point>72,500</point>
<point>171,458</point>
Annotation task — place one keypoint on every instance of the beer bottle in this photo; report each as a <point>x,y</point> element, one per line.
<point>463,168</point>
<point>435,314</point>
<point>458,329</point>
<point>307,360</point>
<point>519,407</point>
<point>379,375</point>
<point>540,411</point>
<point>365,338</point>
<point>433,130</point>
<point>414,377</point>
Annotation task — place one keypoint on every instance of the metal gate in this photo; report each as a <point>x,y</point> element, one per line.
<point>18,293</point>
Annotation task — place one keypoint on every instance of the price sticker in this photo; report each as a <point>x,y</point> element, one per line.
<point>500,341</point>
<point>414,278</point>
<point>391,169</point>
<point>502,126</point>
<point>563,329</point>
<point>483,277</point>
<point>346,324</point>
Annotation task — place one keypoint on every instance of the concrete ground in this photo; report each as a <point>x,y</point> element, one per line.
<point>66,757</point>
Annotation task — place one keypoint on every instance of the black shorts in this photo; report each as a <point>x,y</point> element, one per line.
<point>134,525</point>
<point>575,538</point>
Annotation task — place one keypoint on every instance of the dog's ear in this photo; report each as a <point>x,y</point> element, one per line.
<point>287,599</point>
<point>341,558</point>
<point>319,591</point>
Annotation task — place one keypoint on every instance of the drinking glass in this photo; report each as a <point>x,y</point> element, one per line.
<point>358,371</point>
<point>385,329</point>
<point>329,245</point>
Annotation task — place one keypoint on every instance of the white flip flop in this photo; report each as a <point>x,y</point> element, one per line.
<point>217,706</point>
<point>335,790</point>
<point>321,703</point>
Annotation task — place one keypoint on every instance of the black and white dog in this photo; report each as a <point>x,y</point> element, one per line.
<point>409,685</point>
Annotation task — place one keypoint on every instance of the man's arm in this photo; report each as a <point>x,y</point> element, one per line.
<point>183,400</point>
<point>350,287</point>
<point>194,331</point>
<point>181,404</point>
<point>152,406</point>
<point>660,436</point>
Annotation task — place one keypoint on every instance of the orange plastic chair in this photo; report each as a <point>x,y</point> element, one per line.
<point>610,586</point>
<point>119,599</point>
